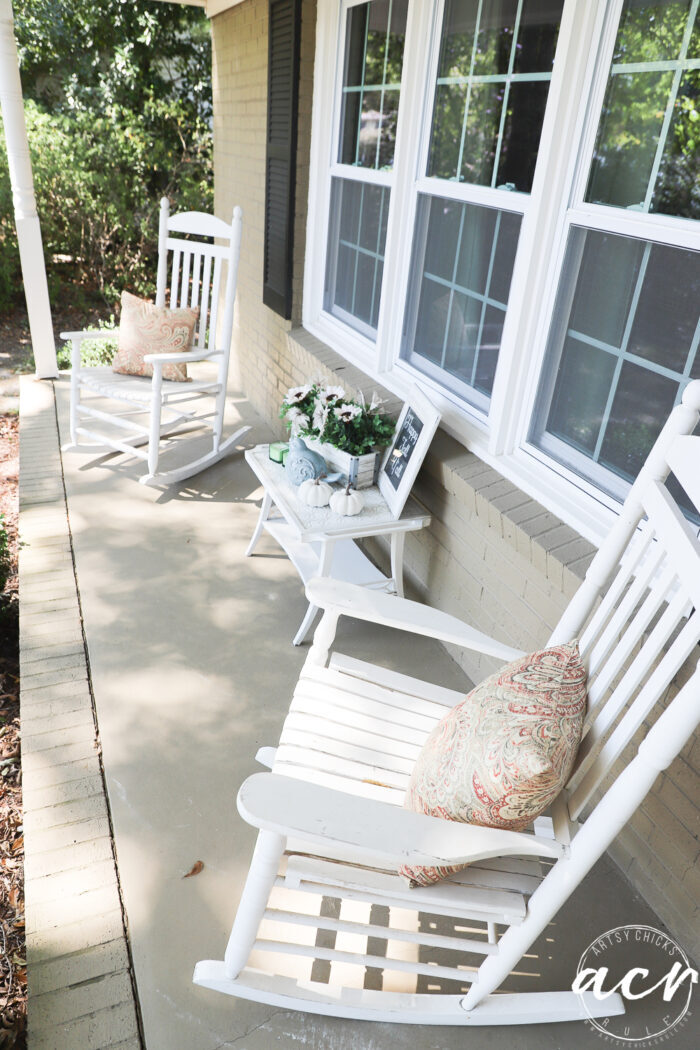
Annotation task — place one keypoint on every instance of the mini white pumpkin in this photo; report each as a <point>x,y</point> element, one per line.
<point>314,492</point>
<point>347,502</point>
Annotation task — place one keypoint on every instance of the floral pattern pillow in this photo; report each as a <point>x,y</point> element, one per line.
<point>148,329</point>
<point>501,756</point>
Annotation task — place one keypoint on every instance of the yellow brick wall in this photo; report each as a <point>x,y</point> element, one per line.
<point>259,360</point>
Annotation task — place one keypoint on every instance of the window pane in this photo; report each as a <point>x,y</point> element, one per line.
<point>581,394</point>
<point>639,409</point>
<point>666,337</point>
<point>355,265</point>
<point>630,127</point>
<point>623,345</point>
<point>651,30</point>
<point>461,270</point>
<point>648,143</point>
<point>609,265</point>
<point>524,109</point>
<point>493,78</point>
<point>371,82</point>
<point>677,188</point>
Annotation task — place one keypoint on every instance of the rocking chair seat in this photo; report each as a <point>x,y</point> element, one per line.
<point>343,734</point>
<point>137,389</point>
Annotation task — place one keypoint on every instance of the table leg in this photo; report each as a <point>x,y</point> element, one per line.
<point>397,544</point>
<point>262,518</point>
<point>324,569</point>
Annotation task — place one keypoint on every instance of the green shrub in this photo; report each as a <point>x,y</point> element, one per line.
<point>93,352</point>
<point>114,122</point>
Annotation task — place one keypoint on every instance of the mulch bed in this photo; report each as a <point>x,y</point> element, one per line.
<point>13,971</point>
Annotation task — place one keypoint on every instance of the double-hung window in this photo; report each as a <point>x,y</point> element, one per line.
<point>624,338</point>
<point>504,208</point>
<point>361,178</point>
<point>489,99</point>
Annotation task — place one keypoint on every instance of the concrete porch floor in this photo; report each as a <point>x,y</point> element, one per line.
<point>191,669</point>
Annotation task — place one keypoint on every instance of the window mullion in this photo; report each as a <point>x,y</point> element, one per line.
<point>410,137</point>
<point>506,92</point>
<point>468,95</point>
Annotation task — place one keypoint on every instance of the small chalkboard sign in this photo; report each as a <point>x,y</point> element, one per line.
<point>414,431</point>
<point>403,447</point>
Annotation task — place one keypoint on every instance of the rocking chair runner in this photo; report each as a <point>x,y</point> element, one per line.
<point>326,925</point>
<point>196,281</point>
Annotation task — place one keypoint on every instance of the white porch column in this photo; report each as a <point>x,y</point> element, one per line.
<point>36,290</point>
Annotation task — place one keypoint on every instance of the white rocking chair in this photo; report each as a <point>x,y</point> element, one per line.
<point>325,925</point>
<point>195,280</point>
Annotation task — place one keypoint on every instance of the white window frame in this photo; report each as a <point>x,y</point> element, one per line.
<point>557,201</point>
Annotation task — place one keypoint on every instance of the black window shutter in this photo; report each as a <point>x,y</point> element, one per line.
<point>280,168</point>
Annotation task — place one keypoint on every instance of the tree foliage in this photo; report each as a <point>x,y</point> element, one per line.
<point>118,107</point>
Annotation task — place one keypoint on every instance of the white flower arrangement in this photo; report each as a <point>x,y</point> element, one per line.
<point>298,421</point>
<point>330,394</point>
<point>346,413</point>
<point>351,426</point>
<point>298,393</point>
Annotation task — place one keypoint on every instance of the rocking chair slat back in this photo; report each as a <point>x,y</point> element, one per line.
<point>635,641</point>
<point>214,314</point>
<point>193,284</point>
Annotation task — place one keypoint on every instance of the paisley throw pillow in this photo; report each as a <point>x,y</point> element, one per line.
<point>148,329</point>
<point>501,756</point>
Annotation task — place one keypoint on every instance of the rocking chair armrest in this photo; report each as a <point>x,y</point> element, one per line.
<point>347,599</point>
<point>178,357</point>
<point>317,814</point>
<point>90,333</point>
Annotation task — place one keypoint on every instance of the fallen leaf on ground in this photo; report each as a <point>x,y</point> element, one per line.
<point>194,870</point>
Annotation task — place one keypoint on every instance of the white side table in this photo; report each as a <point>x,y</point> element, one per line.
<point>321,543</point>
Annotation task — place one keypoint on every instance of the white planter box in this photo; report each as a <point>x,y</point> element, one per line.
<point>361,471</point>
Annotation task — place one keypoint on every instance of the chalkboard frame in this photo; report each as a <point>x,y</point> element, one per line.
<point>429,418</point>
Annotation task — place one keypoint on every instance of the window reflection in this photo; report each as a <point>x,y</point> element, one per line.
<point>372,82</point>
<point>460,281</point>
<point>495,66</point>
<point>648,143</point>
<point>624,343</point>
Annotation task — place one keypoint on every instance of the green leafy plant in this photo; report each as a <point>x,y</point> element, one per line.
<point>326,414</point>
<point>93,352</point>
<point>118,112</point>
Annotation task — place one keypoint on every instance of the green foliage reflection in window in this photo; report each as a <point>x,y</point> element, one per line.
<point>374,44</point>
<point>648,144</point>
<point>493,79</point>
